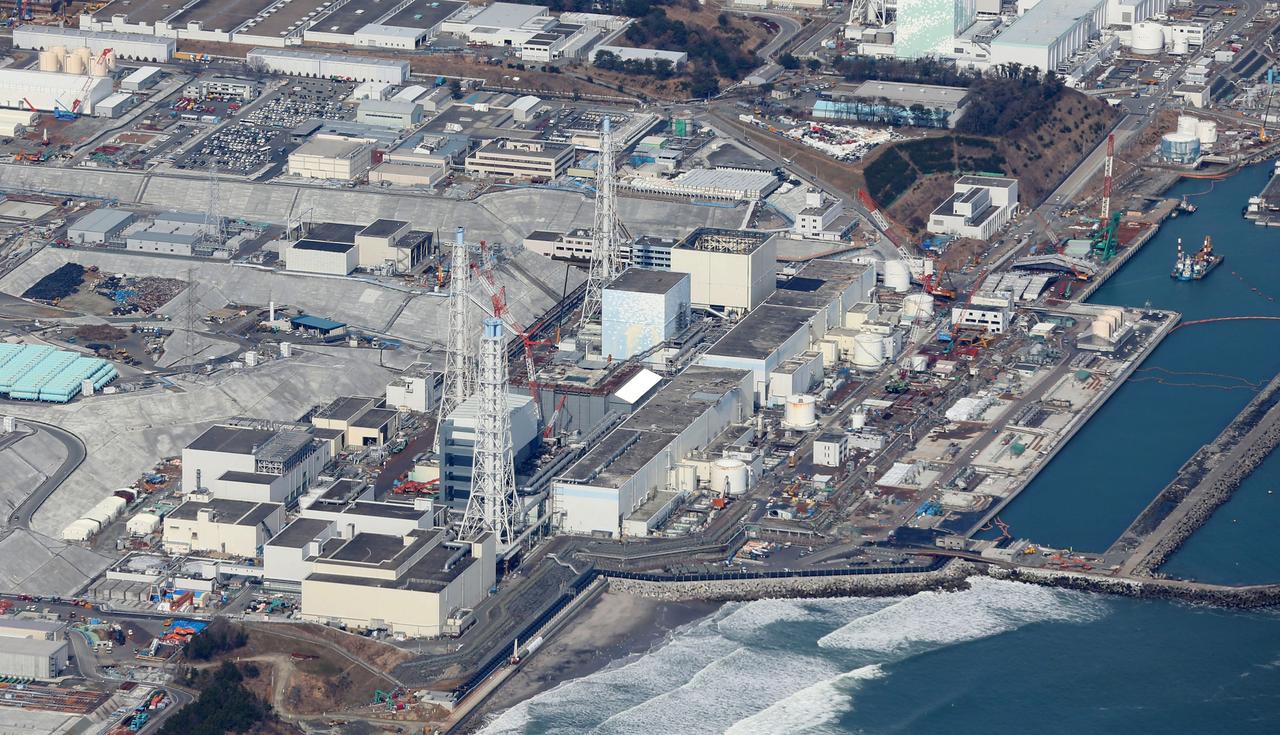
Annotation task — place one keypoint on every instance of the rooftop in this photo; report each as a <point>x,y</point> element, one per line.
<point>345,408</point>
<point>714,239</point>
<point>428,574</point>
<point>103,220</point>
<point>643,280</point>
<point>375,418</point>
<point>231,512</point>
<point>330,147</point>
<point>30,646</point>
<point>507,15</point>
<point>24,624</point>
<point>385,510</point>
<point>298,534</point>
<point>1045,22</point>
<point>342,491</point>
<point>817,284</point>
<point>904,92</point>
<point>384,227</point>
<point>231,439</point>
<point>423,13</point>
<point>998,182</point>
<point>762,331</point>
<point>252,478</point>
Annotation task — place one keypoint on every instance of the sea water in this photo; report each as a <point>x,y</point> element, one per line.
<point>1005,656</point>
<point>998,657</point>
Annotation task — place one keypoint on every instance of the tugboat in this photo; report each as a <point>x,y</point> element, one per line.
<point>1194,266</point>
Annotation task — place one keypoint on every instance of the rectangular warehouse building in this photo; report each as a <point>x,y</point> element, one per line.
<point>331,157</point>
<point>1048,34</point>
<point>50,90</point>
<point>32,658</point>
<point>324,66</point>
<point>125,45</point>
<point>640,458</point>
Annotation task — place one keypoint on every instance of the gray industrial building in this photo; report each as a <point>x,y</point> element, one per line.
<point>99,226</point>
<point>457,441</point>
<point>32,658</point>
<point>397,114</point>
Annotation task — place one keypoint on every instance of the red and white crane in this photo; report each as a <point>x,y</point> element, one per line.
<point>1106,180</point>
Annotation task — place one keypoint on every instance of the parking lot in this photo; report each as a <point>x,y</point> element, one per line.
<point>258,140</point>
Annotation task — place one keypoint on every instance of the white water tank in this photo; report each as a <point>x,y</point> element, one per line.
<point>1148,38</point>
<point>60,51</point>
<point>857,419</point>
<point>50,61</point>
<point>143,524</point>
<point>917,306</point>
<point>1179,46</point>
<point>1207,132</point>
<point>250,358</point>
<point>286,349</point>
<point>897,275</point>
<point>85,54</point>
<point>919,363</point>
<point>98,67</point>
<point>729,477</point>
<point>1188,125</point>
<point>74,65</point>
<point>801,412</point>
<point>868,351</point>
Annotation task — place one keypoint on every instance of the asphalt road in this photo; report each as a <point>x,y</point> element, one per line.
<point>21,516</point>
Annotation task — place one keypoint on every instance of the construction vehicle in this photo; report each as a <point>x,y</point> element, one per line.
<point>933,284</point>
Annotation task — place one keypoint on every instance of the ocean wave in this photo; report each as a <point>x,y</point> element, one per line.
<point>808,709</point>
<point>989,607</point>
<point>752,617</point>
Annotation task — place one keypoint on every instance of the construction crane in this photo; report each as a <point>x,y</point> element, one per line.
<point>1106,178</point>
<point>498,301</point>
<point>920,267</point>
<point>551,420</point>
<point>932,283</point>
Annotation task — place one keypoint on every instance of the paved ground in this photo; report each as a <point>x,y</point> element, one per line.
<point>25,464</point>
<point>127,433</point>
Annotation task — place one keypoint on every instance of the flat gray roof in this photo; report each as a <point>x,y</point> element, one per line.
<point>998,182</point>
<point>426,575</point>
<point>324,246</point>
<point>345,408</point>
<point>384,227</point>
<point>334,232</point>
<point>253,478</point>
<point>298,534</point>
<point>231,439</point>
<point>234,512</point>
<point>385,510</point>
<point>103,220</point>
<point>762,331</point>
<point>817,284</point>
<point>909,94</point>
<point>375,418</point>
<point>1044,23</point>
<point>423,13</point>
<point>644,280</point>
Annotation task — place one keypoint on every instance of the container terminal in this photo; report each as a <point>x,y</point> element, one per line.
<point>421,363</point>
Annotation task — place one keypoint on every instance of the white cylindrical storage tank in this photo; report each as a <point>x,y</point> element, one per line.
<point>919,363</point>
<point>918,306</point>
<point>61,51</point>
<point>1148,38</point>
<point>857,419</point>
<point>50,61</point>
<point>729,477</point>
<point>897,275</point>
<point>1180,45</point>
<point>84,53</point>
<point>143,524</point>
<point>250,358</point>
<point>1188,124</point>
<point>74,65</point>
<point>98,67</point>
<point>286,349</point>
<point>1179,148</point>
<point>1207,132</point>
<point>801,411</point>
<point>868,351</point>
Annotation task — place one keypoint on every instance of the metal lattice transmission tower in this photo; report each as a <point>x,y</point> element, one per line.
<point>214,226</point>
<point>460,346</point>
<point>607,235</point>
<point>493,506</point>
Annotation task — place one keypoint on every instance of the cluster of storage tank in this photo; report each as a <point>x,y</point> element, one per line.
<point>1185,144</point>
<point>1152,38</point>
<point>99,516</point>
<point>77,61</point>
<point>1107,324</point>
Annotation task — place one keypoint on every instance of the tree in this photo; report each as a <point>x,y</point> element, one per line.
<point>723,20</point>
<point>703,83</point>
<point>455,88</point>
<point>789,61</point>
<point>814,64</point>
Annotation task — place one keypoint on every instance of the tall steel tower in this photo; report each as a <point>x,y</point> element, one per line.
<point>493,506</point>
<point>460,355</point>
<point>607,234</point>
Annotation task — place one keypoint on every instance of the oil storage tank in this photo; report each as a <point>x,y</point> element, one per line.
<point>1148,38</point>
<point>729,477</point>
<point>868,351</point>
<point>1179,148</point>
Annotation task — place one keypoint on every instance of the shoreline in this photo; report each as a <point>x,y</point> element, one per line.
<point>611,628</point>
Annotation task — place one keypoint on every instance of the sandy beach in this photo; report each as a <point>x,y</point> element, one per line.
<point>612,626</point>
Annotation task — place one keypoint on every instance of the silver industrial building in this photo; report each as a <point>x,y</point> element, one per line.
<point>125,45</point>
<point>32,658</point>
<point>324,66</point>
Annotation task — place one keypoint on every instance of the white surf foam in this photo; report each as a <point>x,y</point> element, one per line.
<point>755,616</point>
<point>989,607</point>
<point>808,709</point>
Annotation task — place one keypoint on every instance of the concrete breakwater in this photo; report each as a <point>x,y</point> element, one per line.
<point>953,576</point>
<point>1204,483</point>
<point>950,576</point>
<point>1244,598</point>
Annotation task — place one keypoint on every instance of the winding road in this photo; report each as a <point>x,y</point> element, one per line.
<point>21,516</point>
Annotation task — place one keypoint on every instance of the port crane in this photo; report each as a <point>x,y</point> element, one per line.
<point>1105,240</point>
